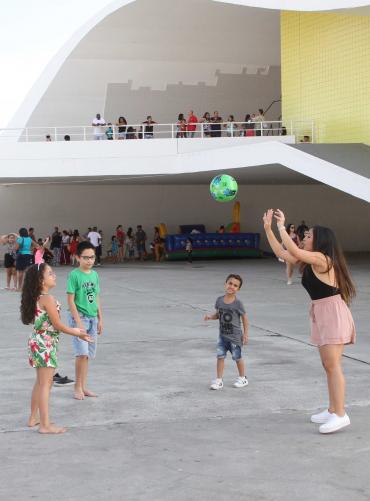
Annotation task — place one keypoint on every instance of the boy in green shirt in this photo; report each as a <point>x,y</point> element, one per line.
<point>85,313</point>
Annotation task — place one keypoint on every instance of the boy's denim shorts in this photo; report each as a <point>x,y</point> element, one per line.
<point>223,346</point>
<point>81,347</point>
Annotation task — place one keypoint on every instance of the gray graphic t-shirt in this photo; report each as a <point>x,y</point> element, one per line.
<point>229,318</point>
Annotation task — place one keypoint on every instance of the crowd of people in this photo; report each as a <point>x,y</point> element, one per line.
<point>210,126</point>
<point>22,249</point>
<point>186,126</point>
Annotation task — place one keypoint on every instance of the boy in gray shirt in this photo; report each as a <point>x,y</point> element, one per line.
<point>231,314</point>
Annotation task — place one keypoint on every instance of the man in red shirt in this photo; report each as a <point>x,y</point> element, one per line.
<point>191,127</point>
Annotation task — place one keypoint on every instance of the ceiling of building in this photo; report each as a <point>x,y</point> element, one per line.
<point>193,31</point>
<point>274,174</point>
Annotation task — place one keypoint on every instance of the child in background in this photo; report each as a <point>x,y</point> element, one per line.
<point>109,132</point>
<point>41,309</point>
<point>114,249</point>
<point>130,244</point>
<point>40,251</point>
<point>189,249</point>
<point>229,311</point>
<point>85,313</point>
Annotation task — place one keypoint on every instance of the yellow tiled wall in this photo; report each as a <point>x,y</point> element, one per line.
<point>325,66</point>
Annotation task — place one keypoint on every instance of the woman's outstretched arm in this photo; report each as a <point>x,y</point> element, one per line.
<point>275,245</point>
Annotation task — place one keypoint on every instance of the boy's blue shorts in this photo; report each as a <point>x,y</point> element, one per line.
<point>224,345</point>
<point>81,347</point>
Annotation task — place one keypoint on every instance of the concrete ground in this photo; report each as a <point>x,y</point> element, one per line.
<point>156,432</point>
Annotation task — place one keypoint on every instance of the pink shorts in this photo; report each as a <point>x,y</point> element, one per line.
<point>331,322</point>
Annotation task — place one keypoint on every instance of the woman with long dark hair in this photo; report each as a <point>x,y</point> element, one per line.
<point>326,278</point>
<point>39,308</point>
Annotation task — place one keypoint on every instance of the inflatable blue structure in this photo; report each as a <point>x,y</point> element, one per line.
<point>214,245</point>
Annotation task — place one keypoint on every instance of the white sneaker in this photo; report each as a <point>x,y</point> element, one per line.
<point>240,382</point>
<point>321,417</point>
<point>289,282</point>
<point>217,384</point>
<point>335,423</point>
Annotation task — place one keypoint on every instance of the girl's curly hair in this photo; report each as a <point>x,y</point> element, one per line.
<point>32,287</point>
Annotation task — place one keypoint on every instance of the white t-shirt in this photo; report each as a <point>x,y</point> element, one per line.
<point>94,238</point>
<point>98,131</point>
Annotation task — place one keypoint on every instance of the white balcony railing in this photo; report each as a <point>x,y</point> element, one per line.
<point>302,130</point>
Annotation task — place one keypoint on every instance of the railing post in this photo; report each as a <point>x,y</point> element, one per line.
<point>291,127</point>
<point>55,134</point>
<point>232,129</point>
<point>201,131</point>
<point>261,126</point>
<point>172,131</point>
<point>26,134</point>
<point>84,133</point>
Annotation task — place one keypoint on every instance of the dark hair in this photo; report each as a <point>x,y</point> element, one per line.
<point>76,233</point>
<point>67,137</point>
<point>260,110</point>
<point>181,116</point>
<point>287,227</point>
<point>32,287</point>
<point>324,241</point>
<point>129,232</point>
<point>23,232</point>
<point>119,226</point>
<point>232,117</point>
<point>237,277</point>
<point>113,237</point>
<point>247,117</point>
<point>83,246</point>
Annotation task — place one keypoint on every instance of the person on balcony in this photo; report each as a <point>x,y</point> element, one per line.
<point>191,124</point>
<point>148,129</point>
<point>122,127</point>
<point>98,127</point>
<point>216,122</point>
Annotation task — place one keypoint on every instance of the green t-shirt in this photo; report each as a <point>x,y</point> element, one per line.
<point>85,287</point>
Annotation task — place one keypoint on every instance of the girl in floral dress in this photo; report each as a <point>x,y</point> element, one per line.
<point>42,310</point>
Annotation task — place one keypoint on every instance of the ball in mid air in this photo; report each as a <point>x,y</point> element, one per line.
<point>223,188</point>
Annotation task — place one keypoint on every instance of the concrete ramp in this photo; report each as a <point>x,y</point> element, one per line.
<point>344,167</point>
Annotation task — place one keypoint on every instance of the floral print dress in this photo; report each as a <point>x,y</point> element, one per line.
<point>43,341</point>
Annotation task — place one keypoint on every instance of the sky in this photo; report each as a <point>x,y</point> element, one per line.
<point>31,32</point>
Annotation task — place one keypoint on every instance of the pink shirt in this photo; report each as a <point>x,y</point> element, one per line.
<point>39,256</point>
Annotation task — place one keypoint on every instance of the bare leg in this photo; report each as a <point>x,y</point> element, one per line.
<point>289,273</point>
<point>331,358</point>
<point>241,367</point>
<point>86,392</point>
<point>220,367</point>
<point>80,370</point>
<point>20,279</point>
<point>45,381</point>
<point>14,274</point>
<point>34,418</point>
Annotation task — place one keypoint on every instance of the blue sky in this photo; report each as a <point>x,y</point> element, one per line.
<point>31,32</point>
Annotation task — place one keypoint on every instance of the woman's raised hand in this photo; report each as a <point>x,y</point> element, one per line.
<point>267,219</point>
<point>280,217</point>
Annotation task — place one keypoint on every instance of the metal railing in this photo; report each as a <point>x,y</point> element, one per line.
<point>302,130</point>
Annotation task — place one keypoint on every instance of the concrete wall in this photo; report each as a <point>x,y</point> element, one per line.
<point>79,206</point>
<point>167,57</point>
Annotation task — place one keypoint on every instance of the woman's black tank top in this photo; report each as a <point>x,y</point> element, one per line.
<point>315,287</point>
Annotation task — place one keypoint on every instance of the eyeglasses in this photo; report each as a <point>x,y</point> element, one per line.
<point>88,258</point>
